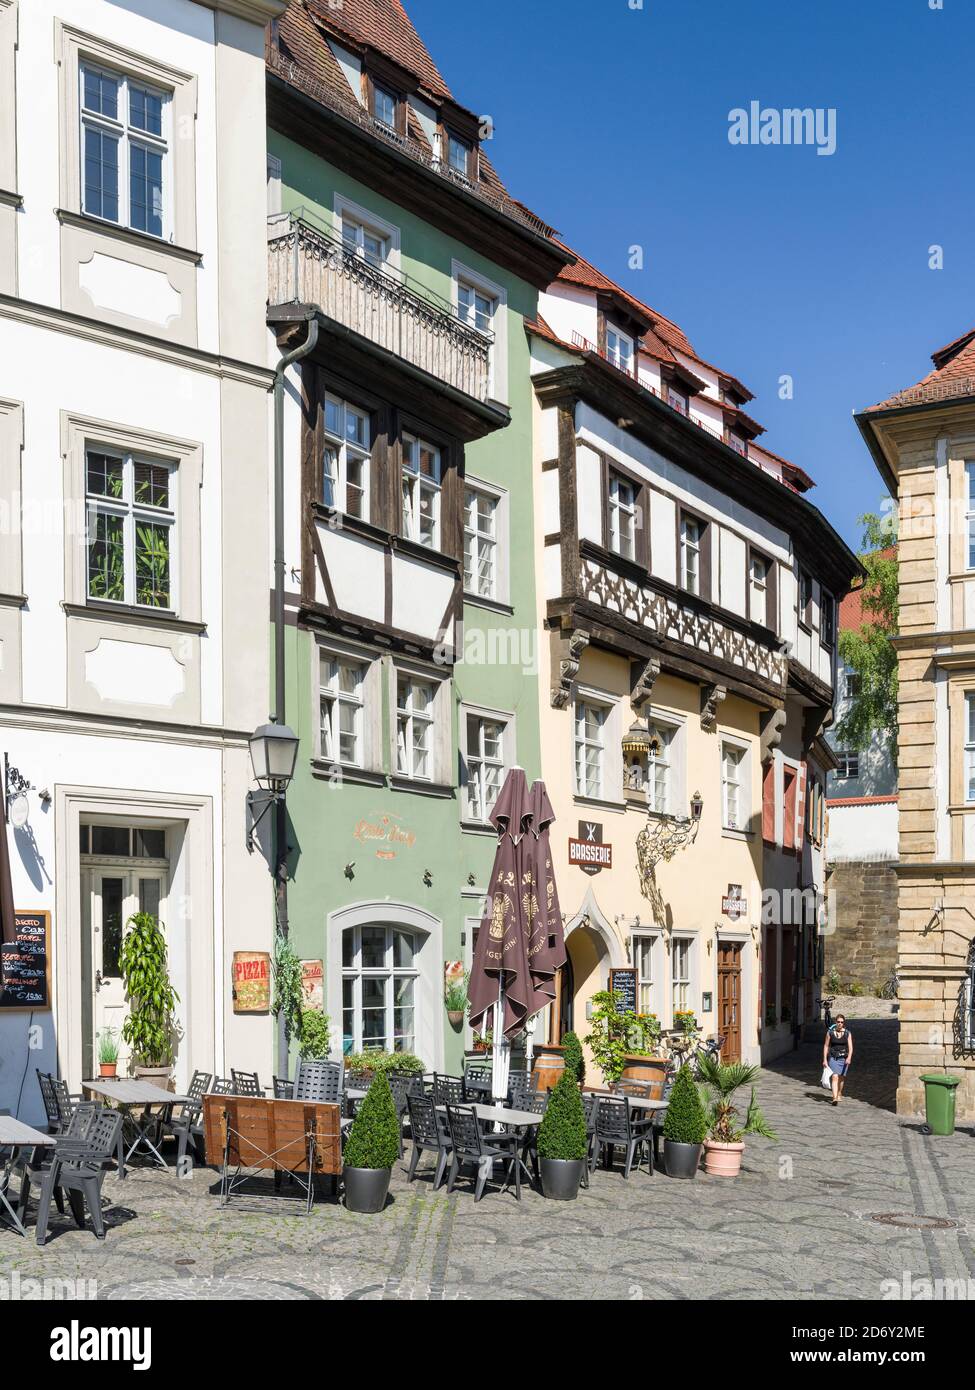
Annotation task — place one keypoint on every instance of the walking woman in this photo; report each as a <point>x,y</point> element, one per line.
<point>838,1054</point>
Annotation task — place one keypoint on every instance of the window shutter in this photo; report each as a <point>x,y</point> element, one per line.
<point>789,809</point>
<point>768,803</point>
<point>801,806</point>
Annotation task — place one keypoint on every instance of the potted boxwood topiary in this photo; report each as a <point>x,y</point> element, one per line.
<point>372,1149</point>
<point>150,1025</point>
<point>562,1141</point>
<point>724,1144</point>
<point>684,1127</point>
<point>575,1061</point>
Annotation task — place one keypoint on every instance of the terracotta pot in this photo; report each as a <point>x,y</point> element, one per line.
<point>652,1069</point>
<point>456,1017</point>
<point>107,1068</point>
<point>722,1160</point>
<point>548,1064</point>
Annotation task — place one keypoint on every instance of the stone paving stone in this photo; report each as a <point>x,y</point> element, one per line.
<point>795,1225</point>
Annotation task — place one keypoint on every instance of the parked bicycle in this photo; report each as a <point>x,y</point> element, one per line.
<point>826,1004</point>
<point>888,990</point>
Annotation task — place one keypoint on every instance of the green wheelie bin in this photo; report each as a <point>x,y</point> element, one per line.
<point>939,1103</point>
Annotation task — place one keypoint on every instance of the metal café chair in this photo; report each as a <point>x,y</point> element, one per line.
<point>430,1133</point>
<point>448,1090</point>
<point>470,1147</point>
<point>402,1084</point>
<point>590,1106</point>
<point>222,1086</point>
<point>39,1163</point>
<point>283,1088</point>
<point>246,1083</point>
<point>477,1083</point>
<point>183,1121</point>
<point>617,1127</point>
<point>318,1081</point>
<point>521,1089</point>
<point>79,1168</point>
<point>537,1103</point>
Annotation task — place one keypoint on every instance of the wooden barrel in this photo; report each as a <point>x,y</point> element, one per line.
<point>652,1069</point>
<point>548,1064</point>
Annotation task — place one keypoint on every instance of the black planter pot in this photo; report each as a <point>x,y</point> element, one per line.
<point>366,1189</point>
<point>561,1177</point>
<point>681,1160</point>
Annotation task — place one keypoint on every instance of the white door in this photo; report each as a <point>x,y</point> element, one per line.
<point>116,893</point>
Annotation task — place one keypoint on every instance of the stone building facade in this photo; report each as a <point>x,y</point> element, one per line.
<point>923,441</point>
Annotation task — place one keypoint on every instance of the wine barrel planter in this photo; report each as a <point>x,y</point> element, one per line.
<point>548,1065</point>
<point>652,1069</point>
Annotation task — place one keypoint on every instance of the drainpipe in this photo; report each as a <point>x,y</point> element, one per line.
<point>278,716</point>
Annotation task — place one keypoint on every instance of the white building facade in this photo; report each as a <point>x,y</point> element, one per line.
<point>134,445</point>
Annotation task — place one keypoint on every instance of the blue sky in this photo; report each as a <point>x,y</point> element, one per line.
<point>612,124</point>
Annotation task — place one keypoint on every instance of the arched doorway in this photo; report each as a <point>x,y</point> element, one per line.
<point>592,948</point>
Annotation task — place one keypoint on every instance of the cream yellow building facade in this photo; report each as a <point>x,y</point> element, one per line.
<point>687,599</point>
<point>923,441</point>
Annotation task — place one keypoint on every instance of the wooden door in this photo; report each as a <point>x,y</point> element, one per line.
<point>729,999</point>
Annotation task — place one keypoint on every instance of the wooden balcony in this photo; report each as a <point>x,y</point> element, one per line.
<point>308,266</point>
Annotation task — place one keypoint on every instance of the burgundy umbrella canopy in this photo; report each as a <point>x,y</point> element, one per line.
<point>520,944</point>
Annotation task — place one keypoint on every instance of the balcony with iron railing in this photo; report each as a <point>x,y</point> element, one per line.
<point>307,265</point>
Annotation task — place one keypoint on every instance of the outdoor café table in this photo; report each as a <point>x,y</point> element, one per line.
<point>129,1095</point>
<point>15,1135</point>
<point>636,1102</point>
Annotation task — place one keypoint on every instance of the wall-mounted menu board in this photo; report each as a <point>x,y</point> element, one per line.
<point>25,965</point>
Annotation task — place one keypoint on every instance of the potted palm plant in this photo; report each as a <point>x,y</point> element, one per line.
<point>150,1026</point>
<point>562,1141</point>
<point>107,1052</point>
<point>724,1144</point>
<point>684,1128</point>
<point>372,1149</point>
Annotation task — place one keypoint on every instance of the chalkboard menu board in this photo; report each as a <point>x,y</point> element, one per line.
<point>622,983</point>
<point>25,965</point>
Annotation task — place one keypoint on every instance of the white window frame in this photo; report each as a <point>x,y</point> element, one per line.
<point>389,972</point>
<point>417,487</point>
<point>498,358</point>
<point>344,450</point>
<point>131,513</point>
<point>332,695</point>
<point>758,587</point>
<point>377,89</point>
<point>849,765</point>
<point>472,759</point>
<point>120,129</point>
<point>688,548</point>
<point>661,805</point>
<point>585,701</point>
<point>680,984</point>
<point>619,349</point>
<point>734,798</point>
<point>344,210</point>
<point>622,515</point>
<point>468,149</point>
<point>970,747</point>
<point>646,986</point>
<point>499,540</point>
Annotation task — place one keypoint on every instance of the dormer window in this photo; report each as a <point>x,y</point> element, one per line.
<point>384,106</point>
<point>676,401</point>
<point>459,155</point>
<point>619,349</point>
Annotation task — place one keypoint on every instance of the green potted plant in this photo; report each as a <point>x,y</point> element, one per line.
<point>315,1038</point>
<point>574,1057</point>
<point>483,1042</point>
<point>685,1127</point>
<point>455,1000</point>
<point>150,1027</point>
<point>685,1021</point>
<point>368,1065</point>
<point>562,1141</point>
<point>107,1052</point>
<point>624,1043</point>
<point>372,1149</point>
<point>724,1144</point>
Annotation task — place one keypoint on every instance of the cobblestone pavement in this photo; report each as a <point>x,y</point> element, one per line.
<point>796,1223</point>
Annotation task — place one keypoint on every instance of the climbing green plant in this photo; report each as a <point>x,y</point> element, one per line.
<point>289,996</point>
<point>868,652</point>
<point>150,1025</point>
<point>315,1034</point>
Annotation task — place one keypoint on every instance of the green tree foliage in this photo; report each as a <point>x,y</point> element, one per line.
<point>374,1136</point>
<point>315,1034</point>
<point>686,1122</point>
<point>873,707</point>
<point>289,995</point>
<point>562,1133</point>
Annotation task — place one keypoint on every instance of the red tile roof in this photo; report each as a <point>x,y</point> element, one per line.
<point>953,376</point>
<point>851,618</point>
<point>385,26</point>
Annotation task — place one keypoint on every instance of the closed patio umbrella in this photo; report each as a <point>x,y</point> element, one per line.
<point>546,939</point>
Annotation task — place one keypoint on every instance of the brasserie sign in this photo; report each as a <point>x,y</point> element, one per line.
<point>588,852</point>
